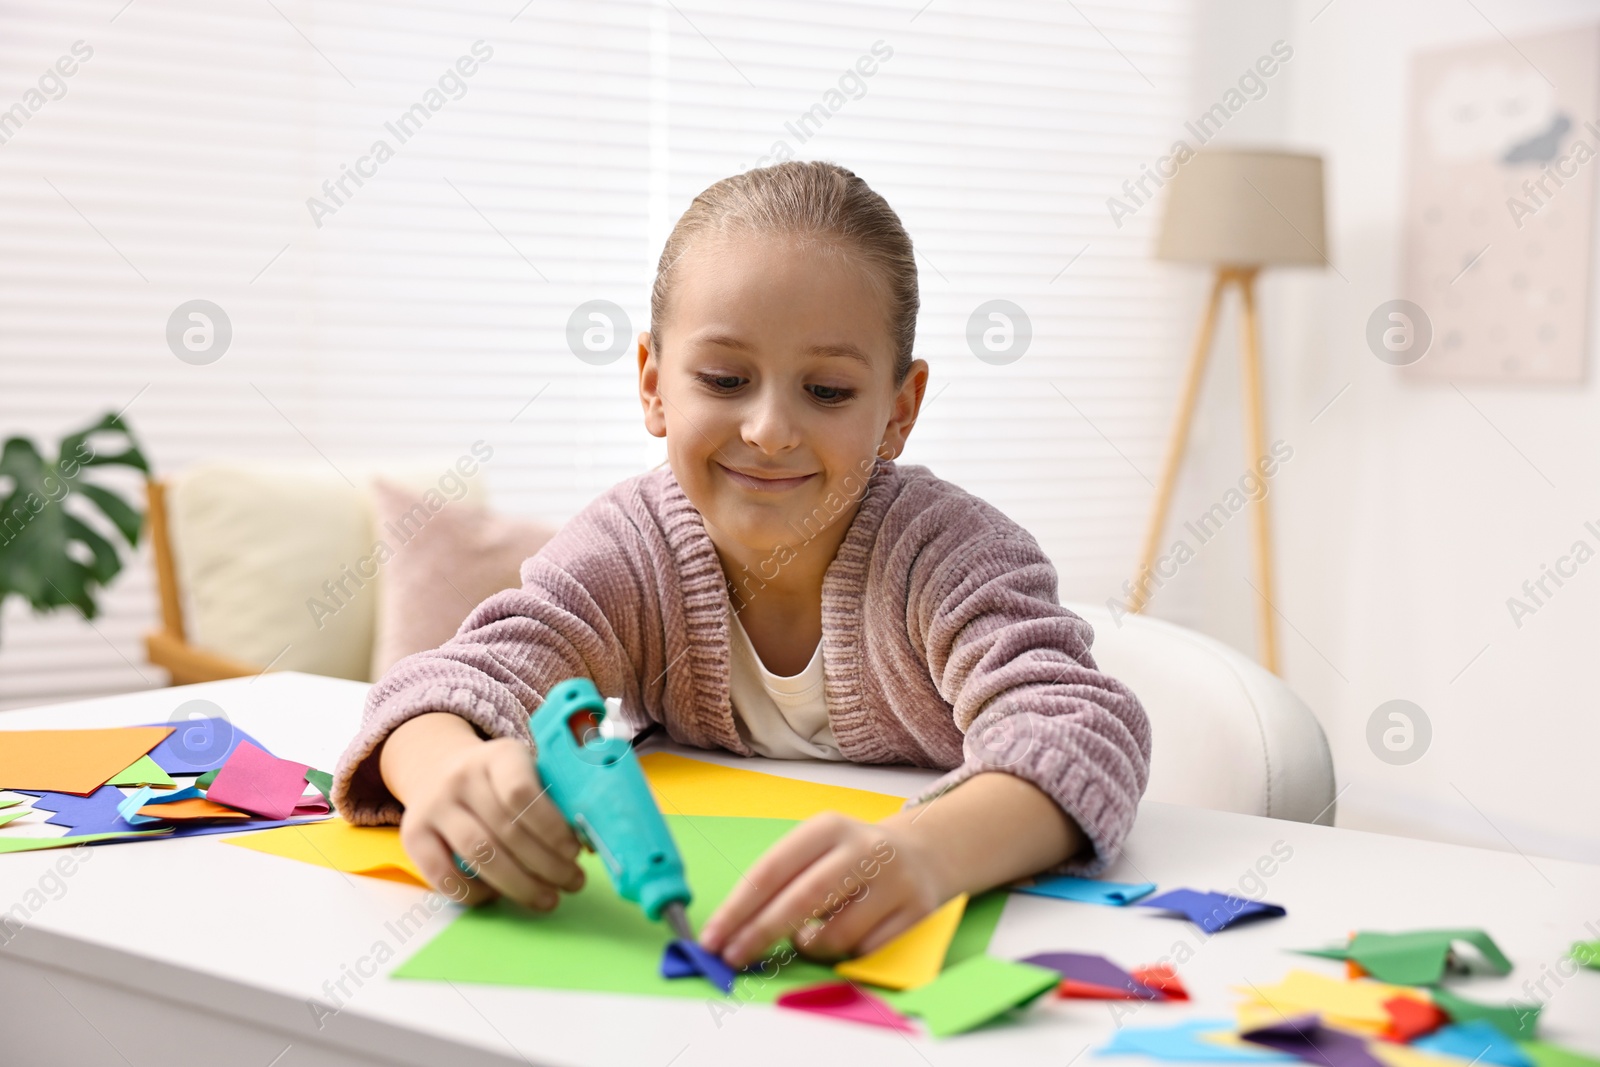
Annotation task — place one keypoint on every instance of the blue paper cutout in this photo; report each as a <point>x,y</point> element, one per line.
<point>1478,1040</point>
<point>1088,890</point>
<point>199,745</point>
<point>1213,912</point>
<point>94,814</point>
<point>129,807</point>
<point>686,959</point>
<point>1183,1042</point>
<point>188,793</point>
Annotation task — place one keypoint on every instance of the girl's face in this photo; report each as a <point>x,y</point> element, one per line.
<point>775,388</point>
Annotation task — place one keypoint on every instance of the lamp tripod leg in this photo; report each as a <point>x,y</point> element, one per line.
<point>1256,442</point>
<point>1140,586</point>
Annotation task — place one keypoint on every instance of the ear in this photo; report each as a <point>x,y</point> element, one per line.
<point>655,421</point>
<point>907,403</point>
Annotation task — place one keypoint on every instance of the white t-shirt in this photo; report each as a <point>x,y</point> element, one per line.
<point>779,717</point>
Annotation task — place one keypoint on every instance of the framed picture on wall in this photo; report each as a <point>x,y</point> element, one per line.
<point>1500,206</point>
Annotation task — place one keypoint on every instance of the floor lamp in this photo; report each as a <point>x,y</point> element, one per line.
<point>1238,211</point>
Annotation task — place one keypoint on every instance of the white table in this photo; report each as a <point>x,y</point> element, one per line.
<point>191,951</point>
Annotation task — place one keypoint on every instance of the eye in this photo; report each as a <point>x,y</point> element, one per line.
<point>722,383</point>
<point>829,394</point>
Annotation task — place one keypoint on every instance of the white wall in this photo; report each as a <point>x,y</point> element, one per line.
<point>1406,518</point>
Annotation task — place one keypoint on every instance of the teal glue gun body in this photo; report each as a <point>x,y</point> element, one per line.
<point>599,787</point>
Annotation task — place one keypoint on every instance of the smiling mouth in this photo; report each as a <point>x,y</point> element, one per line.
<point>762,484</point>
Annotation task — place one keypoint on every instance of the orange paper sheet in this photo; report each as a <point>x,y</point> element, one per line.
<point>72,761</point>
<point>192,808</point>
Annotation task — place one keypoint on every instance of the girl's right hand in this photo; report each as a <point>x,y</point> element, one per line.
<point>482,801</point>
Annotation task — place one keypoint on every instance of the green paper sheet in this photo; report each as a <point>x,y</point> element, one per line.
<point>1518,1021</point>
<point>972,992</point>
<point>205,780</point>
<point>594,940</point>
<point>1544,1055</point>
<point>33,844</point>
<point>13,816</point>
<point>143,771</point>
<point>1587,954</point>
<point>1413,957</point>
<point>4,803</point>
<point>977,927</point>
<point>322,780</point>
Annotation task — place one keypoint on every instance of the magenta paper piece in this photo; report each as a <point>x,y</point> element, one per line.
<point>259,783</point>
<point>845,1000</point>
<point>1305,1038</point>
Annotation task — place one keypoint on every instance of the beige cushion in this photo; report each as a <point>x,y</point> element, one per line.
<point>277,563</point>
<point>455,558</point>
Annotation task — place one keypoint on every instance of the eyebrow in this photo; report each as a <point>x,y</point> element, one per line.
<point>843,349</point>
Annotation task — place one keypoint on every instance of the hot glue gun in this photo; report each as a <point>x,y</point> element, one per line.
<point>597,784</point>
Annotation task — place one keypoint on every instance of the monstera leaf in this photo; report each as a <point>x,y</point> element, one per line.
<point>48,554</point>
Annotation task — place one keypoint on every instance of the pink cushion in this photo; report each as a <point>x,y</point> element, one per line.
<point>445,563</point>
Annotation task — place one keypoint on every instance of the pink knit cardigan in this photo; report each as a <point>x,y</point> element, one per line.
<point>943,642</point>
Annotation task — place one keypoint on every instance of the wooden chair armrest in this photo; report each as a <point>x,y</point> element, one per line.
<point>188,664</point>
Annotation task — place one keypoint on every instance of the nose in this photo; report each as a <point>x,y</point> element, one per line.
<point>769,425</point>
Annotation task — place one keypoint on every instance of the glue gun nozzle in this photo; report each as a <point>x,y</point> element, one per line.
<point>678,920</point>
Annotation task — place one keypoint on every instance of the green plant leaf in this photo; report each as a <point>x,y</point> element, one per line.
<point>50,556</point>
<point>123,516</point>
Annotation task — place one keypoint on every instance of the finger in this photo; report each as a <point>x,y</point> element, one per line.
<point>872,936</point>
<point>863,911</point>
<point>528,804</point>
<point>536,855</point>
<point>492,858</point>
<point>805,897</point>
<point>893,925</point>
<point>793,853</point>
<point>436,861</point>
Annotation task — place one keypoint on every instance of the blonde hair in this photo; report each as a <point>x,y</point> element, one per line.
<point>810,200</point>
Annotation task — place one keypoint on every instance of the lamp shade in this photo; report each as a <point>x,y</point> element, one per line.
<point>1245,208</point>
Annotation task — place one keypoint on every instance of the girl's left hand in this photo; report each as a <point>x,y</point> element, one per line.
<point>838,886</point>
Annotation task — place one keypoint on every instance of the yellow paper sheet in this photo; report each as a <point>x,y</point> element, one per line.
<point>1353,1004</point>
<point>915,957</point>
<point>371,850</point>
<point>686,786</point>
<point>1254,1013</point>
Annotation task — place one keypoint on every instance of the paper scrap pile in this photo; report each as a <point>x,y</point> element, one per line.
<point>185,779</point>
<point>1393,1008</point>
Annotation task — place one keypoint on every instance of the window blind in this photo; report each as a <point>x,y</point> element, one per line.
<point>396,306</point>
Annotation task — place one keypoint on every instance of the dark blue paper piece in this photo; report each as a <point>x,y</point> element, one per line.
<point>199,745</point>
<point>686,959</point>
<point>1213,912</point>
<point>94,814</point>
<point>97,814</point>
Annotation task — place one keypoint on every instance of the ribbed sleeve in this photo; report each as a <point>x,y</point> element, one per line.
<point>1015,668</point>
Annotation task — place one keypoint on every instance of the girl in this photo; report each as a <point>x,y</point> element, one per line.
<point>783,588</point>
